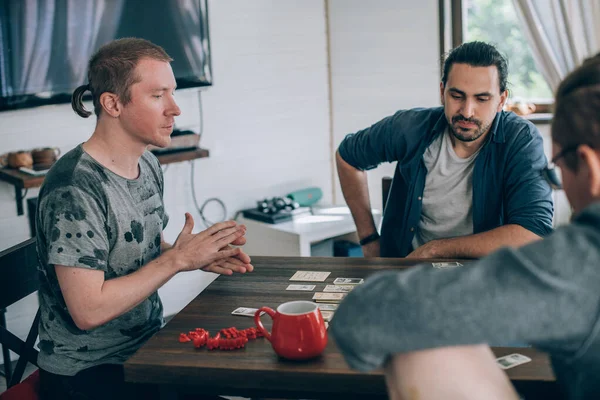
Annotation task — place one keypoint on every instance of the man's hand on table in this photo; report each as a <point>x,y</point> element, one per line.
<point>211,250</point>
<point>428,250</point>
<point>372,249</point>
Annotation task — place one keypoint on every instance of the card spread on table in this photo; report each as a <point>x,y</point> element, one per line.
<point>245,311</point>
<point>348,281</point>
<point>327,307</point>
<point>512,360</point>
<point>328,297</point>
<point>310,276</point>
<point>339,288</point>
<point>301,287</point>
<point>443,265</point>
<point>327,315</point>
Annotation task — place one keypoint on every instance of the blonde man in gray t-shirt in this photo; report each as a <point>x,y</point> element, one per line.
<point>100,219</point>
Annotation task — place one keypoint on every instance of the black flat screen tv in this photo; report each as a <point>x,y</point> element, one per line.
<point>45,45</point>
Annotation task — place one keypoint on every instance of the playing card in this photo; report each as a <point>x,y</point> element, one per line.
<point>348,281</point>
<point>339,288</point>
<point>512,360</point>
<point>328,297</point>
<point>246,312</point>
<point>327,315</point>
<point>310,276</point>
<point>326,325</point>
<point>300,287</point>
<point>327,307</point>
<point>443,265</point>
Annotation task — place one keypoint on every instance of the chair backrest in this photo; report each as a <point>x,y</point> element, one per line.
<point>18,279</point>
<point>386,185</point>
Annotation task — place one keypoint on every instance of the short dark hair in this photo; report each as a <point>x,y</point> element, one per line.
<point>111,69</point>
<point>477,54</point>
<point>576,117</point>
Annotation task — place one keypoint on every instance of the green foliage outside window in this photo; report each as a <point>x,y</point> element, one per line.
<point>496,22</point>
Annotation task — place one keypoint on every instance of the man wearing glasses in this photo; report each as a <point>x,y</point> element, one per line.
<point>545,293</point>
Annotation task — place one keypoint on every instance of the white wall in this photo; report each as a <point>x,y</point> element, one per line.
<point>384,57</point>
<point>267,116</point>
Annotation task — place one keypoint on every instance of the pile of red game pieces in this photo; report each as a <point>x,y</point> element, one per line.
<point>225,339</point>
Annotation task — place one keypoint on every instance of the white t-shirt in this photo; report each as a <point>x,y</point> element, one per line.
<point>447,209</point>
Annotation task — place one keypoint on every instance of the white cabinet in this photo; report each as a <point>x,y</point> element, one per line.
<point>309,234</point>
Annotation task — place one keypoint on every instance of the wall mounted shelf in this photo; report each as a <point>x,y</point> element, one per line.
<point>21,180</point>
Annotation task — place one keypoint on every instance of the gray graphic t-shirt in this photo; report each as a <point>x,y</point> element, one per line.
<point>89,217</point>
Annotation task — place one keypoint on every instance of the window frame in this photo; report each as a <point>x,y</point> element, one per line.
<point>451,34</point>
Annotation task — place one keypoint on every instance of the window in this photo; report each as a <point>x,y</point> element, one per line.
<point>496,22</point>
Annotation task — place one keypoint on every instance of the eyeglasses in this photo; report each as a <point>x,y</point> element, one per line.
<point>564,152</point>
<point>550,171</point>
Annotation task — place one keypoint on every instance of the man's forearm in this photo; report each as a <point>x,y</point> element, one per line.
<point>481,244</point>
<point>356,193</point>
<point>115,297</point>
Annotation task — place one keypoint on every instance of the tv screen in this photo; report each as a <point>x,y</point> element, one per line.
<point>45,45</point>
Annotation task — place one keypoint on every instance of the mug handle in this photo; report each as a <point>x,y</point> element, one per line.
<point>258,322</point>
<point>57,152</point>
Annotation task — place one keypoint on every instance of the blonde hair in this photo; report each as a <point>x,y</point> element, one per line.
<point>111,69</point>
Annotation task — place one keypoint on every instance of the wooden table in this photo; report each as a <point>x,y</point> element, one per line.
<point>256,371</point>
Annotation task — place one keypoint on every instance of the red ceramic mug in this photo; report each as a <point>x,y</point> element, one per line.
<point>298,332</point>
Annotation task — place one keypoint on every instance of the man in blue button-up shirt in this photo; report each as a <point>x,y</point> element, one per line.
<point>468,178</point>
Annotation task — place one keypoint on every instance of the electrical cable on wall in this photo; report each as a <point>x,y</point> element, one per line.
<point>201,209</point>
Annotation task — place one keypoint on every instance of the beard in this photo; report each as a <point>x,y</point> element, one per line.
<point>466,134</point>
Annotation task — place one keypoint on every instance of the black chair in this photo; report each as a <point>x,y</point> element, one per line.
<point>18,279</point>
<point>31,208</point>
<point>386,185</point>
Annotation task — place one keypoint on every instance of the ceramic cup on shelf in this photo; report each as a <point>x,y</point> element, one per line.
<point>45,156</point>
<point>298,332</point>
<point>18,159</point>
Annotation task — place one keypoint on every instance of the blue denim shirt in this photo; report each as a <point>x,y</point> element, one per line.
<point>508,185</point>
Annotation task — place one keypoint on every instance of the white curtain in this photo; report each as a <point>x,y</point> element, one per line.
<point>27,35</point>
<point>90,24</point>
<point>562,33</point>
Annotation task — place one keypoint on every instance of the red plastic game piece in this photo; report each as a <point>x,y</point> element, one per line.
<point>226,339</point>
<point>184,338</point>
<point>200,339</point>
